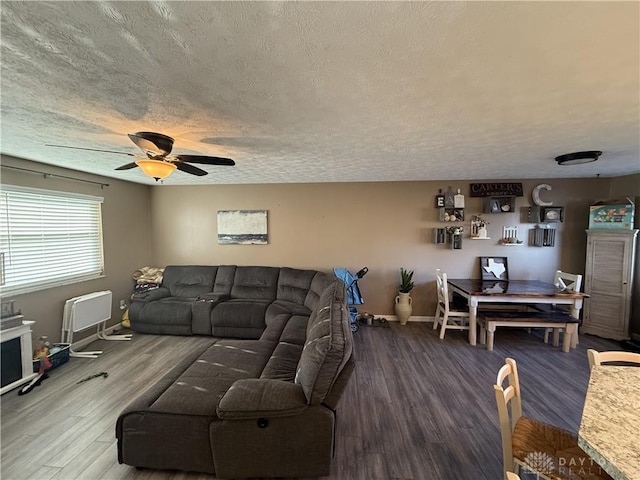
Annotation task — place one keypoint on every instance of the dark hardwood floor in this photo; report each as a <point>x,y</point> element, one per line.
<point>416,408</point>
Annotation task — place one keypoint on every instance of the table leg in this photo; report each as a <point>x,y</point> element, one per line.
<point>569,332</point>
<point>575,313</point>
<point>473,315</point>
<point>491,330</point>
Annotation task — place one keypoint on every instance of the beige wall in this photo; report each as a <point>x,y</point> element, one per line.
<point>384,226</point>
<point>380,225</point>
<point>126,228</point>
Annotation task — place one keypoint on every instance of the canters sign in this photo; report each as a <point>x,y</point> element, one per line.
<point>496,190</point>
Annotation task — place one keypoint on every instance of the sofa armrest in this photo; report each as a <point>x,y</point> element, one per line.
<point>151,295</point>
<point>253,398</point>
<point>214,297</point>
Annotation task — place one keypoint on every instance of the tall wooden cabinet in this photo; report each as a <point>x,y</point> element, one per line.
<point>608,279</point>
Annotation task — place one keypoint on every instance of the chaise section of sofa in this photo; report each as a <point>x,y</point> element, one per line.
<point>262,406</point>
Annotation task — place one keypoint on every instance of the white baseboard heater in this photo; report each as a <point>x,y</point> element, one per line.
<point>86,311</point>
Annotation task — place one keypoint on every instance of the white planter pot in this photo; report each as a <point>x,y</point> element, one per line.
<point>403,307</point>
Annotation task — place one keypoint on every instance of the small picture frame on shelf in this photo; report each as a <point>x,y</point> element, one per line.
<point>494,268</point>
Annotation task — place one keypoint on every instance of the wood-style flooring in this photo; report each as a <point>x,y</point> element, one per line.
<point>417,407</point>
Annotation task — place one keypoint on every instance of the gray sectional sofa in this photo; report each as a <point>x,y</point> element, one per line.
<point>260,401</point>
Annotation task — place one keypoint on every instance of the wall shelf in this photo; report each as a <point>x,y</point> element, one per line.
<point>499,204</point>
<point>451,214</point>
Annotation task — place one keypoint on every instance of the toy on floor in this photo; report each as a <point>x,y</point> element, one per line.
<point>33,383</point>
<point>101,374</point>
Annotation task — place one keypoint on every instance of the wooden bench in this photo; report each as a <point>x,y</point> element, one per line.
<point>555,319</point>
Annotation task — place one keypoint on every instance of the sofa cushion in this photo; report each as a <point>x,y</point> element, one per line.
<point>239,318</point>
<point>318,285</point>
<point>279,307</point>
<point>293,284</point>
<point>224,279</point>
<point>144,434</point>
<point>199,388</point>
<point>201,312</point>
<point>283,362</point>
<point>170,315</point>
<point>328,345</point>
<point>255,282</point>
<point>295,331</point>
<point>189,280</point>
<point>259,397</point>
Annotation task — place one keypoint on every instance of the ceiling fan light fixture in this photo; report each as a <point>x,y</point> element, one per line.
<point>157,169</point>
<point>578,158</point>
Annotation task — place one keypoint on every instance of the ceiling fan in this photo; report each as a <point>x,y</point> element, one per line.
<point>159,163</point>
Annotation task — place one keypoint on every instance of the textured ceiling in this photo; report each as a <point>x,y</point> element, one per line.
<point>326,91</point>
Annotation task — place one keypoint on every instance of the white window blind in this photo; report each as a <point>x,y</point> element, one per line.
<point>48,239</point>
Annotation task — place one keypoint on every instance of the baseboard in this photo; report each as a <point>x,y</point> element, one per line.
<point>412,318</point>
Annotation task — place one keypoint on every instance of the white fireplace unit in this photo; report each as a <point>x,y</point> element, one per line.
<point>17,354</point>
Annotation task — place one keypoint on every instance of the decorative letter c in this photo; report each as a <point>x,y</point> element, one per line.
<point>536,195</point>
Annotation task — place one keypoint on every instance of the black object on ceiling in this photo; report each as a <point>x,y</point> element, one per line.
<point>578,158</point>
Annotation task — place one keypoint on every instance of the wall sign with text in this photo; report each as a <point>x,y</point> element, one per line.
<point>495,189</point>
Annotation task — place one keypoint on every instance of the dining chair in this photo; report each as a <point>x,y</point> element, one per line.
<point>567,282</point>
<point>532,445</point>
<point>598,358</point>
<point>452,317</point>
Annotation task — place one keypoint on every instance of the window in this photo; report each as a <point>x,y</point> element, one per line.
<point>48,239</point>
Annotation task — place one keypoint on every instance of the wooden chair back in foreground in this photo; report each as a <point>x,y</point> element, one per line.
<point>598,358</point>
<point>535,446</point>
<point>512,476</point>
<point>451,318</point>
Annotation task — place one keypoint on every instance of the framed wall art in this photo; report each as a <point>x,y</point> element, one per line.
<point>242,227</point>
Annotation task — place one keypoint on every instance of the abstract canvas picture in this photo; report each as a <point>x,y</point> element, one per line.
<point>242,227</point>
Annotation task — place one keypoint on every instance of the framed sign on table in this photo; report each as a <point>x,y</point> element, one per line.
<point>494,268</point>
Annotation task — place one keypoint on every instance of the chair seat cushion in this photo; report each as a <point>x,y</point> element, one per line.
<point>553,452</point>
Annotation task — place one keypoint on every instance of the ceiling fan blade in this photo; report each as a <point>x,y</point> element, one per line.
<point>90,149</point>
<point>205,160</point>
<point>153,144</point>
<point>128,166</point>
<point>186,168</point>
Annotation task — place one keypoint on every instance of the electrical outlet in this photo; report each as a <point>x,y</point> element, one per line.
<point>123,305</point>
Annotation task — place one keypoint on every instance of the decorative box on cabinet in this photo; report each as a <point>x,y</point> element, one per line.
<point>608,281</point>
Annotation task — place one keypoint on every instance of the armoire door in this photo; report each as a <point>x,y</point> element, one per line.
<point>608,282</point>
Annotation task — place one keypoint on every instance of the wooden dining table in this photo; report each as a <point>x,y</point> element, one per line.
<point>610,427</point>
<point>478,291</point>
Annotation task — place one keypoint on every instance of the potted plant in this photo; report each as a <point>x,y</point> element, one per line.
<point>406,280</point>
<point>403,300</point>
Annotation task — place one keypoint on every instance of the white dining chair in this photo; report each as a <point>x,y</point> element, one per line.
<point>448,317</point>
<point>598,358</point>
<point>567,282</point>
